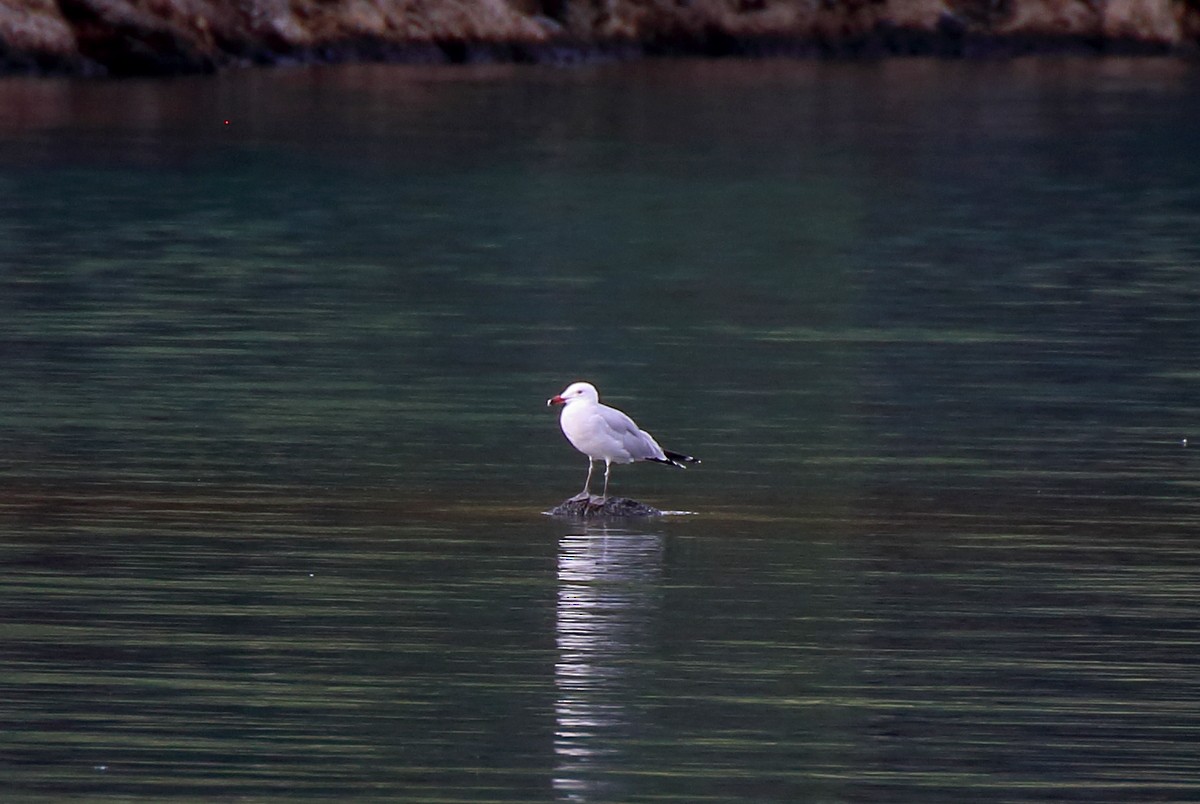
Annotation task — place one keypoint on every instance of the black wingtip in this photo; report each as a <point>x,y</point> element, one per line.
<point>679,459</point>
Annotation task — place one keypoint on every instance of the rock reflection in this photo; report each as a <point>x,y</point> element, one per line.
<point>608,598</point>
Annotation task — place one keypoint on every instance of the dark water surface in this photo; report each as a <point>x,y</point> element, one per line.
<point>274,350</point>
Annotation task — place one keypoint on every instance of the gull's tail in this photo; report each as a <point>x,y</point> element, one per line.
<point>677,459</point>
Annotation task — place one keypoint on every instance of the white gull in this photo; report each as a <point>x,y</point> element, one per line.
<point>606,434</point>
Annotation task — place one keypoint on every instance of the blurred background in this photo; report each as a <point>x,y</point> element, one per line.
<point>274,354</point>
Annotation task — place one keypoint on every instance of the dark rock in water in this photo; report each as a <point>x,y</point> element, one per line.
<point>612,507</point>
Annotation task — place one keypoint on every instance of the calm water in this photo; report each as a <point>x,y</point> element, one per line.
<point>274,351</point>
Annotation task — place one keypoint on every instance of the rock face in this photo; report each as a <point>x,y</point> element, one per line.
<point>121,37</point>
<point>594,508</point>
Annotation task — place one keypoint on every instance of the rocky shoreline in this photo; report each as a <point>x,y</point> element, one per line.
<point>163,37</point>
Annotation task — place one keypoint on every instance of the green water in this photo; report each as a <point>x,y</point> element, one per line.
<point>274,354</point>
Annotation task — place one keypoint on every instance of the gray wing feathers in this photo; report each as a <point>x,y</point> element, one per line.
<point>637,442</point>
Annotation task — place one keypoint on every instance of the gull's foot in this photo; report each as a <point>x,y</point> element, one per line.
<point>581,496</point>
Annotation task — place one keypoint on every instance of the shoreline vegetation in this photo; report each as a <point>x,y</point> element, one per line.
<point>171,37</point>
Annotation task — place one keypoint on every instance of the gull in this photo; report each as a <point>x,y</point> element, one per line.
<point>606,434</point>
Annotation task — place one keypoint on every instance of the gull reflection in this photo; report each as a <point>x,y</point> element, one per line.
<point>608,590</point>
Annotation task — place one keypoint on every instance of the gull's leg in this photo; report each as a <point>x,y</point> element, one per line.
<point>607,466</point>
<point>598,504</point>
<point>586,494</point>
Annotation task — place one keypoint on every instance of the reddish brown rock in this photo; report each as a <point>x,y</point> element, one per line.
<point>156,36</point>
<point>33,34</point>
<point>1149,20</point>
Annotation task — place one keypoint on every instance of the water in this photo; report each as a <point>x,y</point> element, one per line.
<point>275,351</point>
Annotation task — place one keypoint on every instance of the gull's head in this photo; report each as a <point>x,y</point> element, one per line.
<point>574,391</point>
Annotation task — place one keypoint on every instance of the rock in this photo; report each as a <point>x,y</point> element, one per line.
<point>179,36</point>
<point>132,38</point>
<point>35,37</point>
<point>612,507</point>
